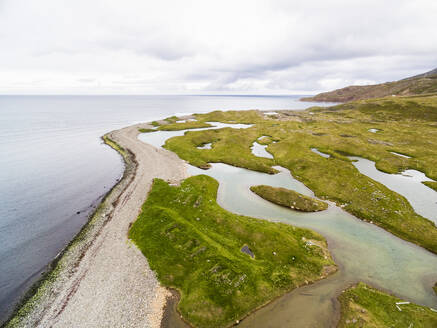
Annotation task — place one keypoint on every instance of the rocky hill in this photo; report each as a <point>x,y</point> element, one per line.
<point>425,83</point>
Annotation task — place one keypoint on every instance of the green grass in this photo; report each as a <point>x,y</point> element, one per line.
<point>143,130</point>
<point>431,184</point>
<point>229,147</point>
<point>172,119</point>
<point>265,140</point>
<point>184,126</point>
<point>195,246</point>
<point>289,198</point>
<point>363,306</point>
<point>408,126</point>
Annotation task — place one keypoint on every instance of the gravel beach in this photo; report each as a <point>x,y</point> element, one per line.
<point>103,280</point>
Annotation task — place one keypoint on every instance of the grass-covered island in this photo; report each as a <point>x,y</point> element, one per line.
<point>197,247</point>
<point>289,198</point>
<point>366,307</point>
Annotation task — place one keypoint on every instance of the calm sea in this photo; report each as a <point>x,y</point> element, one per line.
<point>53,165</point>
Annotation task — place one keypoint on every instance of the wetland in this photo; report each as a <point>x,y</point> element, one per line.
<point>371,224</point>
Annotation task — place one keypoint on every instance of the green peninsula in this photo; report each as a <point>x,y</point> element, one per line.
<point>366,307</point>
<point>224,265</point>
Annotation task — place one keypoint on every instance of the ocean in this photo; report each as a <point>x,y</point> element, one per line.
<point>54,168</point>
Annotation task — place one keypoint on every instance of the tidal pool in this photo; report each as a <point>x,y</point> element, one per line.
<point>362,251</point>
<point>318,152</point>
<point>205,146</point>
<point>260,150</point>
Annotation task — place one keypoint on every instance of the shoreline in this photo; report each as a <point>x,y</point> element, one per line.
<point>65,295</point>
<point>53,299</point>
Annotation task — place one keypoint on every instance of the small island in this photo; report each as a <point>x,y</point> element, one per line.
<point>289,198</point>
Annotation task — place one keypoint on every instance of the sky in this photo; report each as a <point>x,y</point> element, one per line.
<point>211,47</point>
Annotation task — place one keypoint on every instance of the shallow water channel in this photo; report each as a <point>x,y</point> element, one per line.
<point>408,184</point>
<point>362,251</point>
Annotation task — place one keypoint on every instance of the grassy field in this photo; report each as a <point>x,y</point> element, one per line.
<point>289,198</point>
<point>405,125</point>
<point>195,246</point>
<point>363,306</point>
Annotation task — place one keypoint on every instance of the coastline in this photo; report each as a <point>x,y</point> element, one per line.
<point>75,288</point>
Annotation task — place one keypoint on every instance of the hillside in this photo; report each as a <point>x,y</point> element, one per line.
<point>417,85</point>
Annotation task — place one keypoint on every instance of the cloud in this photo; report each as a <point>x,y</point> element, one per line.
<point>194,46</point>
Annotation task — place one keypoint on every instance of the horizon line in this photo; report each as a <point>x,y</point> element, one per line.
<point>155,95</point>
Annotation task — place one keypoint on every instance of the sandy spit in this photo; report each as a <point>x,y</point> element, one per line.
<point>102,279</point>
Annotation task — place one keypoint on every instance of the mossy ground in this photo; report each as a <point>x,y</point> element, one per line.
<point>431,184</point>
<point>289,198</point>
<point>363,306</point>
<point>265,140</point>
<point>114,145</point>
<point>144,130</point>
<point>195,246</point>
<point>185,125</point>
<point>407,126</point>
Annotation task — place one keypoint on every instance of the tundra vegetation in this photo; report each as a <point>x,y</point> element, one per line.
<point>423,84</point>
<point>406,125</point>
<point>185,125</point>
<point>145,130</point>
<point>431,184</point>
<point>363,306</point>
<point>224,265</point>
<point>289,198</point>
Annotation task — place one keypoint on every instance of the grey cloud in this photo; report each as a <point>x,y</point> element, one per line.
<point>257,46</point>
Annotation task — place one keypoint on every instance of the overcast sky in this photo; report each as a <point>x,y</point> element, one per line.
<point>211,47</point>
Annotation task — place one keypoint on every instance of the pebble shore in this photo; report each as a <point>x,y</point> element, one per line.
<point>102,279</point>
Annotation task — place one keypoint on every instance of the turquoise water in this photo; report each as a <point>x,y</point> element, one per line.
<point>54,165</point>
